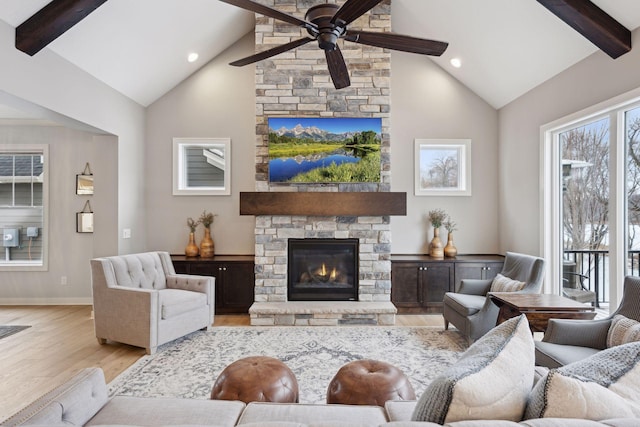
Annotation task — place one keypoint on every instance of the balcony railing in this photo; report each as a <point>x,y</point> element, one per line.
<point>595,266</point>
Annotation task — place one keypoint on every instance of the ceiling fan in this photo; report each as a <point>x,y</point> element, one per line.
<point>327,23</point>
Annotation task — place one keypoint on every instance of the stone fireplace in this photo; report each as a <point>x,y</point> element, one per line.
<point>298,84</point>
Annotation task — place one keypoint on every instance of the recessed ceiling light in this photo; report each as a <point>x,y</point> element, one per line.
<point>456,62</point>
<point>193,57</point>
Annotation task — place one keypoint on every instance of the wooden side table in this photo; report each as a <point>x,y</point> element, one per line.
<point>539,308</point>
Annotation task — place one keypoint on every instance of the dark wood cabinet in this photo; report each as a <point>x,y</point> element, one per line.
<point>419,282</point>
<point>420,286</point>
<point>476,270</point>
<point>235,279</point>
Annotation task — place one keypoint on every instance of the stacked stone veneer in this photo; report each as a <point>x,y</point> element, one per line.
<point>297,83</point>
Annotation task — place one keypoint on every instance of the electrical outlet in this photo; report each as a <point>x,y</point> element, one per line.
<point>126,233</point>
<point>63,280</point>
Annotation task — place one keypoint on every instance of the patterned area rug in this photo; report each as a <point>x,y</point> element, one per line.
<point>7,330</point>
<point>189,366</point>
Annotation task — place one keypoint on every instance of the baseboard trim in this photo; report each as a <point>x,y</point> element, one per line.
<point>46,301</point>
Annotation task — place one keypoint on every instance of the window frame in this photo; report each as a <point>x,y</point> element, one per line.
<point>550,179</point>
<point>180,187</point>
<point>44,150</point>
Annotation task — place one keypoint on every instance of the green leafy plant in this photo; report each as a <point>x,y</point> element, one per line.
<point>437,217</point>
<point>206,218</point>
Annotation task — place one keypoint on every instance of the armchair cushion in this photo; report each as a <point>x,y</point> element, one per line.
<point>622,331</point>
<point>491,380</point>
<point>174,302</point>
<point>465,305</point>
<point>602,386</point>
<point>554,355</point>
<point>591,333</point>
<point>505,284</point>
<point>139,271</point>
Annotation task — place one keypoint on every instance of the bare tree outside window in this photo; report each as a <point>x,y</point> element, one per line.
<point>585,156</point>
<point>442,171</point>
<point>633,177</point>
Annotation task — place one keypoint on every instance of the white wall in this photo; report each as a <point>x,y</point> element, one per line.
<point>427,102</point>
<point>48,81</point>
<point>219,101</point>
<point>591,81</point>
<point>216,101</point>
<point>69,252</point>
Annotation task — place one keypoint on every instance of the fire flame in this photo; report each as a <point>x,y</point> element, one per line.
<point>323,272</point>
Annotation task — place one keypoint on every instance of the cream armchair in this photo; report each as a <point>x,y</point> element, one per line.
<point>139,299</point>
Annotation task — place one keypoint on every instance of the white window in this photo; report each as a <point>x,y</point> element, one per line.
<point>23,204</point>
<point>591,201</point>
<point>201,166</point>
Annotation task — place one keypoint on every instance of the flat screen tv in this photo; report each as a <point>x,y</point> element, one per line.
<point>324,150</point>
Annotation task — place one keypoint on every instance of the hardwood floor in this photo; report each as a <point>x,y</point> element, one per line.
<point>61,341</point>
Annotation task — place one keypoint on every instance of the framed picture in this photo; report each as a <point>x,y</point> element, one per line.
<point>201,166</point>
<point>84,222</point>
<point>84,184</point>
<point>442,167</point>
<point>322,150</point>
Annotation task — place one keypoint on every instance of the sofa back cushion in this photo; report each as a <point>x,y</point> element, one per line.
<point>72,403</point>
<point>491,380</point>
<point>142,270</point>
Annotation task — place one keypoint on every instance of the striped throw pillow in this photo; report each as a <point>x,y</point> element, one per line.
<point>622,331</point>
<point>504,284</point>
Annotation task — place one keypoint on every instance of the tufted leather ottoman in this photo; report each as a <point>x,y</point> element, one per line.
<point>256,379</point>
<point>369,382</point>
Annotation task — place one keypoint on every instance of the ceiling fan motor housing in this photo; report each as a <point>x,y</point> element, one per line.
<point>327,33</point>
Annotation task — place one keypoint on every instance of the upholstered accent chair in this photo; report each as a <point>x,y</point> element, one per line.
<point>566,341</point>
<point>139,299</point>
<point>472,311</point>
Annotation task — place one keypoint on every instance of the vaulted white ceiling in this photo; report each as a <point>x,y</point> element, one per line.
<point>139,47</point>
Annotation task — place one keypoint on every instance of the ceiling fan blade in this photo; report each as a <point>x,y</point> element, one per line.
<point>352,10</point>
<point>271,52</point>
<point>398,42</point>
<point>337,68</point>
<point>267,11</point>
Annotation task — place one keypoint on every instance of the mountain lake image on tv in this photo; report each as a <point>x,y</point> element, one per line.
<point>324,150</point>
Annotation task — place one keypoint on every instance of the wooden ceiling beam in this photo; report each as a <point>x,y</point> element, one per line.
<point>51,22</point>
<point>593,23</point>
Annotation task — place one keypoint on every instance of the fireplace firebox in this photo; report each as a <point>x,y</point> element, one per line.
<point>322,270</point>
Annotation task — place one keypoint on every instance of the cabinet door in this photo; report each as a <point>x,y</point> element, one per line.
<point>405,291</point>
<point>237,287</point>
<point>436,279</point>
<point>181,267</point>
<point>204,269</point>
<point>468,270</point>
<point>492,269</point>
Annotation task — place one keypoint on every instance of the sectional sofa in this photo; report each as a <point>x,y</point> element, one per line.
<point>494,383</point>
<point>83,401</point>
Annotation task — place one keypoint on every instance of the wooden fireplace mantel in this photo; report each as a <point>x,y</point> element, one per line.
<point>323,203</point>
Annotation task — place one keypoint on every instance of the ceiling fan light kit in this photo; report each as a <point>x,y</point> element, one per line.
<point>326,24</point>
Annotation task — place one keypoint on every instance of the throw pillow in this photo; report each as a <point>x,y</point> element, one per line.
<point>504,284</point>
<point>622,331</point>
<point>490,381</point>
<point>597,388</point>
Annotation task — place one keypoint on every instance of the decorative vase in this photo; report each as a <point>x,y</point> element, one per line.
<point>206,245</point>
<point>192,248</point>
<point>435,248</point>
<point>450,251</point>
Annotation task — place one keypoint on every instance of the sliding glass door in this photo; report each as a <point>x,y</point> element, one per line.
<point>585,211</point>
<point>591,202</point>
